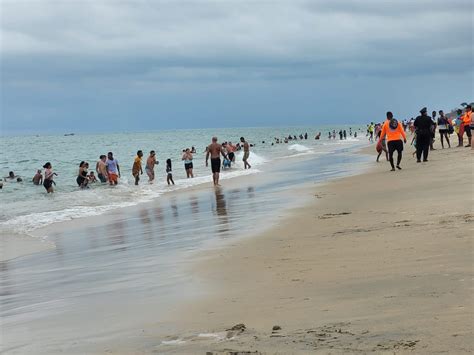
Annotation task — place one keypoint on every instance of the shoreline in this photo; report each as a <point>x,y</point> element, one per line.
<point>36,240</point>
<point>352,272</point>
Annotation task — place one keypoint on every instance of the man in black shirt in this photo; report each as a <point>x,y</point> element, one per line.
<point>423,125</point>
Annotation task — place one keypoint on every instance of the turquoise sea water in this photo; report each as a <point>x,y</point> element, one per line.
<point>109,276</point>
<point>26,207</point>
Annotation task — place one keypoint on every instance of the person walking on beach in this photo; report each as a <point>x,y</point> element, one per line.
<point>137,167</point>
<point>113,169</point>
<point>433,130</point>
<point>48,181</point>
<point>169,172</point>
<point>188,163</point>
<point>215,150</point>
<point>423,126</point>
<point>443,128</point>
<point>150,166</point>
<point>101,168</point>
<point>394,132</point>
<point>82,179</point>
<point>246,146</point>
<point>466,121</point>
<point>38,178</point>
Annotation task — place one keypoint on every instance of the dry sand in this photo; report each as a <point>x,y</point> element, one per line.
<point>381,262</point>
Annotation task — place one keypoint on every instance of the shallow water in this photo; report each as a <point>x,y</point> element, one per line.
<point>112,277</point>
<point>26,207</point>
<point>112,274</point>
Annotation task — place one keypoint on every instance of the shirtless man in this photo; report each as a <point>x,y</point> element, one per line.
<point>38,178</point>
<point>150,166</point>
<point>215,150</point>
<point>101,169</point>
<point>246,152</point>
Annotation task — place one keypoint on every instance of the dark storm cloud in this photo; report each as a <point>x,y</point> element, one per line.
<point>73,49</point>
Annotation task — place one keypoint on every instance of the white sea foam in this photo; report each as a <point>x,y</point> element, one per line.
<point>108,199</point>
<point>299,148</point>
<point>173,342</point>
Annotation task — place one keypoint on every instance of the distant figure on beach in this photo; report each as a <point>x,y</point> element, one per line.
<point>82,179</point>
<point>169,172</point>
<point>38,178</point>
<point>193,150</point>
<point>350,131</point>
<point>457,126</point>
<point>150,166</point>
<point>113,169</point>
<point>101,168</point>
<point>340,135</point>
<point>215,150</point>
<point>306,135</point>
<point>48,181</point>
<point>393,130</point>
<point>443,129</point>
<point>137,167</point>
<point>466,121</point>
<point>423,127</point>
<point>371,132</point>
<point>433,130</point>
<point>344,133</point>
<point>246,153</point>
<point>188,163</point>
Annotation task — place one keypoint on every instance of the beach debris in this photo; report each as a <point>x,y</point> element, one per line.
<point>238,327</point>
<point>276,328</point>
<point>235,330</point>
<point>332,215</point>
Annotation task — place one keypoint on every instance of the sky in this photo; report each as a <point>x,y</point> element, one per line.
<point>113,65</point>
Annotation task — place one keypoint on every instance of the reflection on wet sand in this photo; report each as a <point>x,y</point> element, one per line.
<point>221,210</point>
<point>117,235</point>
<point>194,203</point>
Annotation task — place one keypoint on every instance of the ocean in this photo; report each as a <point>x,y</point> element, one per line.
<point>26,207</point>
<point>123,256</point>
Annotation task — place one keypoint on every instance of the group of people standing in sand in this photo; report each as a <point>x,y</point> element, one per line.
<point>392,133</point>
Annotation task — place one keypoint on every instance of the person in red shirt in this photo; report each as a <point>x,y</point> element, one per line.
<point>393,130</point>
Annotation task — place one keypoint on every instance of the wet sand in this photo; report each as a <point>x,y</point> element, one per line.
<point>115,277</point>
<point>381,262</point>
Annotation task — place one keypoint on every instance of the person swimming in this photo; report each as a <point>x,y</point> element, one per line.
<point>38,178</point>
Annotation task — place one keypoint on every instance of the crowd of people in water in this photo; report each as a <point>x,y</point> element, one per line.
<point>108,167</point>
<point>390,135</point>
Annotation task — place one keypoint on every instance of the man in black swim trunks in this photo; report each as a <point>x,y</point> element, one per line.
<point>215,150</point>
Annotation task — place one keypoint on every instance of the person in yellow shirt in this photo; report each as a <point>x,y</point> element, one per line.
<point>393,130</point>
<point>137,167</point>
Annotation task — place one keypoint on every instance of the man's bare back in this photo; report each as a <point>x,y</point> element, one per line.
<point>215,150</point>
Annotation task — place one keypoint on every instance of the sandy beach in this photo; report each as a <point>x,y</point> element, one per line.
<point>380,262</point>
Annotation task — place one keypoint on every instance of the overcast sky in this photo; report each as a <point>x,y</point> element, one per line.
<point>133,65</point>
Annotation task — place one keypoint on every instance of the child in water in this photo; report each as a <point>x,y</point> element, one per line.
<point>169,172</point>
<point>92,177</point>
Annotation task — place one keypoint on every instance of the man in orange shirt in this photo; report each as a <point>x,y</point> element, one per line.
<point>394,132</point>
<point>466,123</point>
